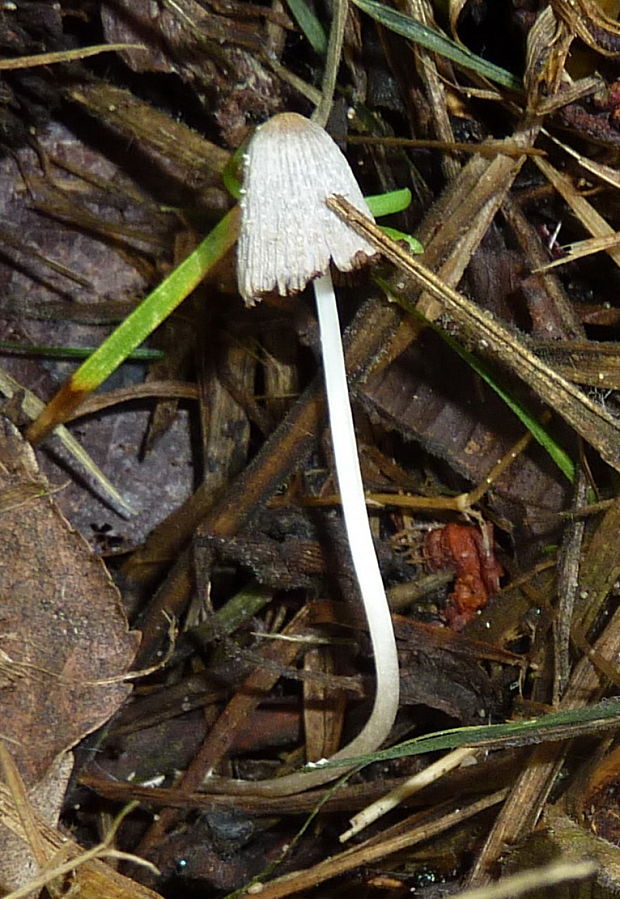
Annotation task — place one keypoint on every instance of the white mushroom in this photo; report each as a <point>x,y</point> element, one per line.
<point>288,234</point>
<point>289,237</point>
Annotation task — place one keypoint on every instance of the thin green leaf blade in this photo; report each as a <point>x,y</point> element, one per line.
<point>538,431</point>
<point>309,24</point>
<point>12,347</point>
<point>157,306</point>
<point>389,203</point>
<point>134,329</point>
<point>414,245</point>
<point>562,725</point>
<point>437,43</point>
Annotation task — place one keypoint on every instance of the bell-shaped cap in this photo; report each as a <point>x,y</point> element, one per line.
<point>288,234</point>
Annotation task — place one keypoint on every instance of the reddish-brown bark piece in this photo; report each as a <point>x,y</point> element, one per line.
<point>469,551</point>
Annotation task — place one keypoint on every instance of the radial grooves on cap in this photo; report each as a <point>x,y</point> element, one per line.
<point>288,235</point>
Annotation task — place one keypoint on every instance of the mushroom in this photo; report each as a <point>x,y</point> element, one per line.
<point>289,237</point>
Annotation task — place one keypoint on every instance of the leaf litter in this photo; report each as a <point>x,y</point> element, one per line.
<point>112,174</point>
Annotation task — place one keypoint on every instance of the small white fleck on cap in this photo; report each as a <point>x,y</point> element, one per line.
<point>288,234</point>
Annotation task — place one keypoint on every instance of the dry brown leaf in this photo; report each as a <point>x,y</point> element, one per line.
<point>585,19</point>
<point>547,45</point>
<point>592,220</point>
<point>606,173</point>
<point>178,31</point>
<point>456,8</point>
<point>18,865</point>
<point>85,871</point>
<point>63,628</point>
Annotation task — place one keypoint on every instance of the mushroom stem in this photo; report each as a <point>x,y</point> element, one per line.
<point>357,526</point>
<point>365,564</point>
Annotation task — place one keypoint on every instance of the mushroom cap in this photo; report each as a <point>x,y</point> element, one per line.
<point>288,234</point>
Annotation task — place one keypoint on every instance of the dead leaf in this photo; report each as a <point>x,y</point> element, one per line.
<point>62,626</point>
<point>19,866</point>
<point>62,630</point>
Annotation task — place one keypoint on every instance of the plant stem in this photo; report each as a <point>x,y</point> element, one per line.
<point>365,564</point>
<point>361,544</point>
<point>332,63</point>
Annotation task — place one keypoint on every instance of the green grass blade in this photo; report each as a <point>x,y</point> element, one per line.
<point>232,173</point>
<point>134,329</point>
<point>12,348</point>
<point>538,431</point>
<point>414,245</point>
<point>437,43</point>
<point>389,203</point>
<point>157,306</point>
<point>563,725</point>
<point>309,24</point>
